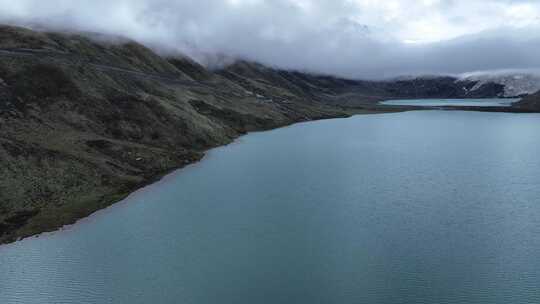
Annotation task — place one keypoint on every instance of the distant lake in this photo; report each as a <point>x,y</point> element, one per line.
<point>489,102</point>
<point>435,207</point>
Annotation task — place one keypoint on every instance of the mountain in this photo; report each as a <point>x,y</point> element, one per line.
<point>347,92</point>
<point>442,87</point>
<point>87,119</point>
<point>514,84</point>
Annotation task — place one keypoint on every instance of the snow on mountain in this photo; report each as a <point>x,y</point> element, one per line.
<point>515,83</point>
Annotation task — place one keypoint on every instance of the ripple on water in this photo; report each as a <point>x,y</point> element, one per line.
<point>417,207</point>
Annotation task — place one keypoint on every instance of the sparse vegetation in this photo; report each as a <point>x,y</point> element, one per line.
<point>83,122</point>
<point>83,126</point>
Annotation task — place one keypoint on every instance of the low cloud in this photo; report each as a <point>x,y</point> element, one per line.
<point>351,38</point>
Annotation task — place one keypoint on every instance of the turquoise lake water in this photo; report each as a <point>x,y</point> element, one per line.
<point>488,102</point>
<point>427,207</point>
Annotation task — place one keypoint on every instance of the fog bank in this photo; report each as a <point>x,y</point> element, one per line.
<point>349,38</point>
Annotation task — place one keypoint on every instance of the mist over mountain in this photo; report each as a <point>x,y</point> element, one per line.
<point>353,38</point>
<point>86,119</point>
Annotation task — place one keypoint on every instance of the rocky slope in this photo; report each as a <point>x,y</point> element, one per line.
<point>85,121</point>
<point>530,103</point>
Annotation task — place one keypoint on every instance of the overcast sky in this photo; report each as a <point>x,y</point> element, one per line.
<point>352,38</point>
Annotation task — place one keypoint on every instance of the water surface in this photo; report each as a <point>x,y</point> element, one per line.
<point>427,207</point>
<point>487,102</point>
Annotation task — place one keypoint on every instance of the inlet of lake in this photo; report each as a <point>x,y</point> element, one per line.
<point>435,207</point>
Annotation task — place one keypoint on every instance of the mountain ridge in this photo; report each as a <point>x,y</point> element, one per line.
<point>83,123</point>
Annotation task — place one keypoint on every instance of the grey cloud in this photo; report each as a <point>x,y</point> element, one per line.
<point>326,36</point>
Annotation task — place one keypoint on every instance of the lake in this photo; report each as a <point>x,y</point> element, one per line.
<point>427,207</point>
<point>487,102</point>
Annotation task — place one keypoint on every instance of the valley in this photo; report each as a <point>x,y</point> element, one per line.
<point>86,121</point>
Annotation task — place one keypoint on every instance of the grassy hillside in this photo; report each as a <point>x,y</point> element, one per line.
<point>83,122</point>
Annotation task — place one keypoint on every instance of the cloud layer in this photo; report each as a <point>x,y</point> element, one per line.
<point>351,38</point>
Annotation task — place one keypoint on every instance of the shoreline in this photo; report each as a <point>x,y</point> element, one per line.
<point>115,199</point>
<point>122,197</point>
